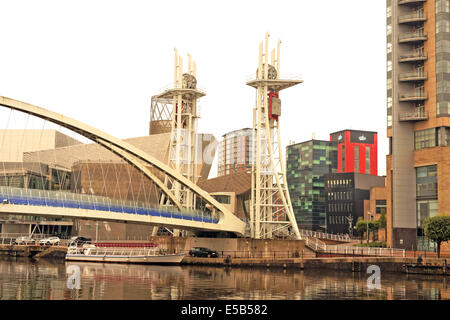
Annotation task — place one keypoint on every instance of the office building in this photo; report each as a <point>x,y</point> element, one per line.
<point>346,194</point>
<point>418,117</point>
<point>306,164</point>
<point>235,151</point>
<point>357,151</point>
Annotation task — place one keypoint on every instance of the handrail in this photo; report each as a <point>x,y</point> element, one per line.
<point>322,235</point>
<point>415,15</point>
<point>11,195</point>
<point>171,86</point>
<point>413,115</point>
<point>410,1</point>
<point>101,251</point>
<point>283,76</point>
<point>413,55</point>
<point>346,250</point>
<point>408,35</point>
<point>420,74</point>
<point>420,95</point>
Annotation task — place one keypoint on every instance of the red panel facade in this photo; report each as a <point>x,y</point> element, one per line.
<point>347,141</point>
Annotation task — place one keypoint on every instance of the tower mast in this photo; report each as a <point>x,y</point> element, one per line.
<point>271,213</point>
<point>184,116</point>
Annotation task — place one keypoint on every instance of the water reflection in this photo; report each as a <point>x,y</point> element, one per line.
<point>21,278</point>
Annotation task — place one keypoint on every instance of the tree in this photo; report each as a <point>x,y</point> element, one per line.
<point>373,227</point>
<point>382,223</point>
<point>361,227</point>
<point>437,229</point>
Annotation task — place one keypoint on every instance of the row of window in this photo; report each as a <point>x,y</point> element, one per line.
<point>339,183</point>
<point>433,137</point>
<point>341,195</point>
<point>340,207</point>
<point>337,220</point>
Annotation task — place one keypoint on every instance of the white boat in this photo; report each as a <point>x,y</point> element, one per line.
<point>153,255</point>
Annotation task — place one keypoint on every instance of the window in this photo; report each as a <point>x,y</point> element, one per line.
<point>368,160</point>
<point>222,199</point>
<point>426,209</point>
<point>389,83</point>
<point>426,182</point>
<point>442,6</point>
<point>343,158</point>
<point>447,136</point>
<point>425,138</point>
<point>356,158</point>
<point>380,206</point>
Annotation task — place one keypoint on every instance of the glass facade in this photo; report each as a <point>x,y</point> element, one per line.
<point>19,176</point>
<point>426,201</point>
<point>389,61</point>
<point>307,163</point>
<point>442,58</point>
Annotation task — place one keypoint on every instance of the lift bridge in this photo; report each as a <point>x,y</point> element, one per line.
<point>55,166</point>
<point>75,181</point>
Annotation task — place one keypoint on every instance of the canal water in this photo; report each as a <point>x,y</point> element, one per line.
<point>25,279</point>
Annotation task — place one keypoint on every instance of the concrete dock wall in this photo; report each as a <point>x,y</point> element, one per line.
<point>236,247</point>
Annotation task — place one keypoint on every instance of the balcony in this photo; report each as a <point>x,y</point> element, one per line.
<point>413,57</point>
<point>413,18</point>
<point>412,37</point>
<point>413,116</point>
<point>414,2</point>
<point>412,97</point>
<point>416,76</point>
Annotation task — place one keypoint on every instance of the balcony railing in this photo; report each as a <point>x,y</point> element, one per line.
<point>413,116</point>
<point>411,1</point>
<point>413,17</point>
<point>417,96</point>
<point>413,57</point>
<point>416,76</point>
<point>412,37</point>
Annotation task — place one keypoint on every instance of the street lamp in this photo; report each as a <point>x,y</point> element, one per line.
<point>369,217</point>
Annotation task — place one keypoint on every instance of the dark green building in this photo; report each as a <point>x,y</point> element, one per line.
<point>307,163</point>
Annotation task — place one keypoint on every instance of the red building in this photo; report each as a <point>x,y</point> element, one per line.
<point>357,151</point>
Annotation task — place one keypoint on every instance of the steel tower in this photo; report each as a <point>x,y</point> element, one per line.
<point>271,213</point>
<point>184,116</point>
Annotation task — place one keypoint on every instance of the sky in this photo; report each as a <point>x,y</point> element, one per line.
<point>100,62</point>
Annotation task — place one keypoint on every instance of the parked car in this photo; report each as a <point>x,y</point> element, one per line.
<point>78,241</point>
<point>50,241</point>
<point>203,252</point>
<point>24,240</point>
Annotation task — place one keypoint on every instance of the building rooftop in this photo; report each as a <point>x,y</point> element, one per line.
<point>239,183</point>
<point>312,140</point>
<point>354,130</point>
<point>235,131</point>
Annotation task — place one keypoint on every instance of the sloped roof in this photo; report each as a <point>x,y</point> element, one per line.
<point>239,183</point>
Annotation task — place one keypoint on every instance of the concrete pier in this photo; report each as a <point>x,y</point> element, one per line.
<point>431,266</point>
<point>31,250</point>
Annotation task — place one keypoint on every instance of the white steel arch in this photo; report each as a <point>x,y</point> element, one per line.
<point>138,158</point>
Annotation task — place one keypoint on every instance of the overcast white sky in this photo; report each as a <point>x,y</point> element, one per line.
<point>101,61</point>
